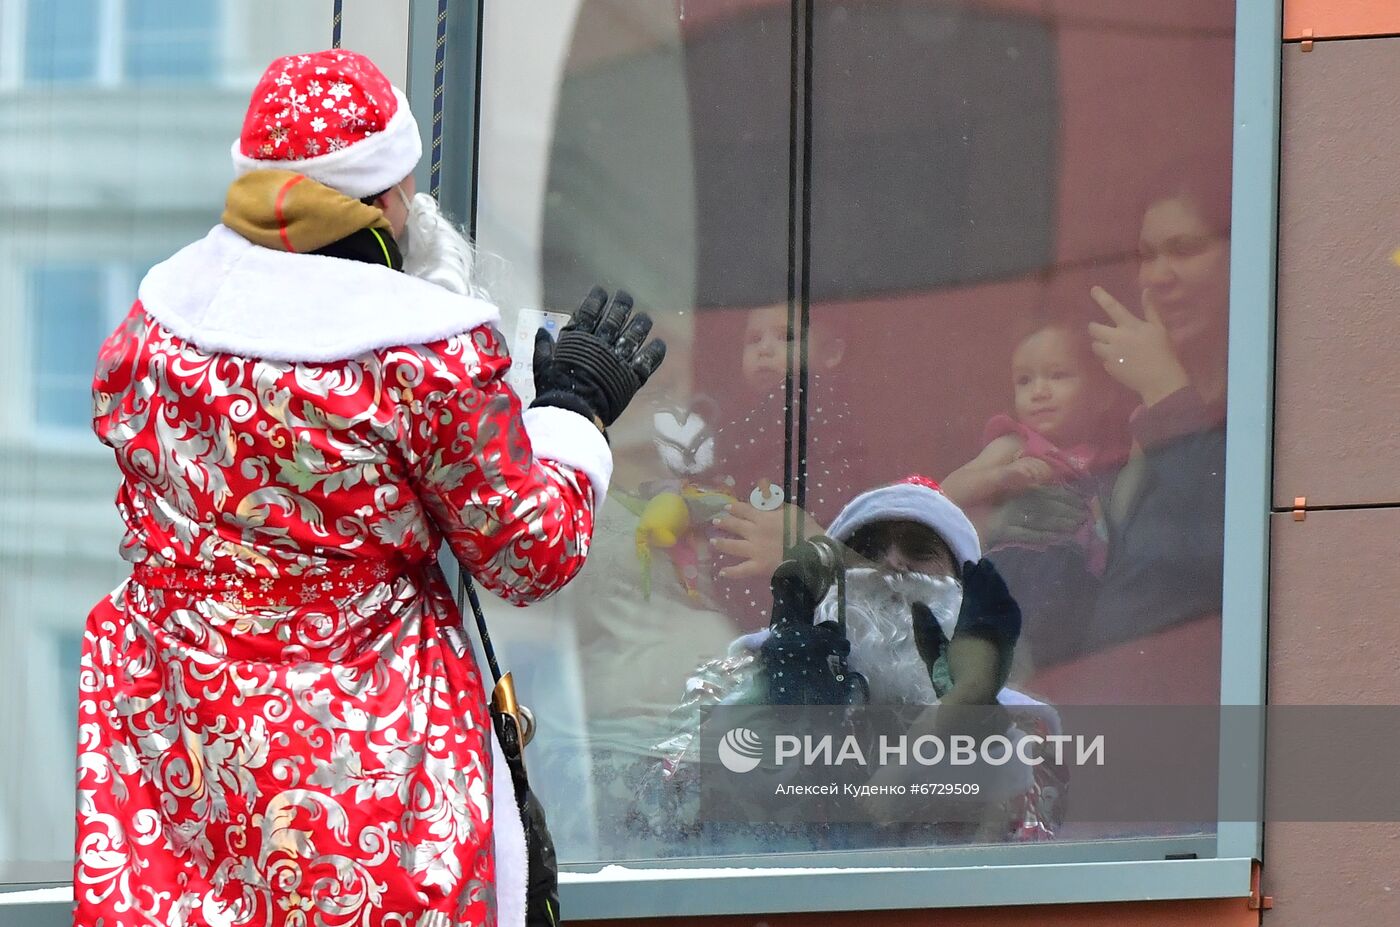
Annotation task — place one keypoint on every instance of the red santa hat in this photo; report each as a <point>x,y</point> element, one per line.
<point>333,116</point>
<point>917,499</point>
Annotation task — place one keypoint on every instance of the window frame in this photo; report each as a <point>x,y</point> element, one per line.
<point>949,877</point>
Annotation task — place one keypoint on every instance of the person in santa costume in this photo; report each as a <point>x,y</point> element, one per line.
<point>281,721</point>
<point>895,605</point>
<point>908,611</point>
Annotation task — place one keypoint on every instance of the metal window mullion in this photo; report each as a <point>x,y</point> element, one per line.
<point>1249,435</point>
<point>461,104</point>
<point>422,26</point>
<point>461,68</point>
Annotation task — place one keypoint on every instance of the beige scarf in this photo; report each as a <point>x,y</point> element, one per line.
<point>286,211</point>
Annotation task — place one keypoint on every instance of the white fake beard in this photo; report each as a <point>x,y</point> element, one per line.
<point>435,250</point>
<point>880,627</point>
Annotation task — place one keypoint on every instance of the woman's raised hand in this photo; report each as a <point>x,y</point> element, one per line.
<point>1136,352</point>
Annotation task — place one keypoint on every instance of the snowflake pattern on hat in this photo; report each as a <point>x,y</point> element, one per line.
<point>308,105</point>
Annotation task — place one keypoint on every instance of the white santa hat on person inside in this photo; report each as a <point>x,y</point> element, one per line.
<point>334,117</point>
<point>917,499</point>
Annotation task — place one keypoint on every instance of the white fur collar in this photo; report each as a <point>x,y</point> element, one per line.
<point>227,295</point>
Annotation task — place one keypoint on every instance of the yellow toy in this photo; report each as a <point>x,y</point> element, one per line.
<point>670,521</point>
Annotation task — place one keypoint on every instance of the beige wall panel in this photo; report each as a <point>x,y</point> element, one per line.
<point>1334,609</point>
<point>1337,418</point>
<point>1331,18</point>
<point>1334,639</point>
<point>1326,874</point>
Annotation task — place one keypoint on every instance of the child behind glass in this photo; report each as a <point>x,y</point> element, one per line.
<point>1067,433</point>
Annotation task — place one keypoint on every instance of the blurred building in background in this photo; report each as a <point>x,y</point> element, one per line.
<point>116,118</point>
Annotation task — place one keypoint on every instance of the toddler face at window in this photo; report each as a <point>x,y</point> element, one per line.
<point>766,347</point>
<point>1058,385</point>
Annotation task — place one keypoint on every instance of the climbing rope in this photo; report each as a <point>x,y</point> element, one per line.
<point>439,74</point>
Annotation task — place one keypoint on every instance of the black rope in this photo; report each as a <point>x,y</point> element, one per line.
<point>806,275</point>
<point>466,585</point>
<point>335,24</point>
<point>439,76</point>
<point>792,281</point>
<point>796,381</point>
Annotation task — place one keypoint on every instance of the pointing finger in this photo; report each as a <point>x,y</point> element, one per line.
<point>1112,307</point>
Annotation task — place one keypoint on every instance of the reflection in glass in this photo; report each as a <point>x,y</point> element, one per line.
<point>994,250</point>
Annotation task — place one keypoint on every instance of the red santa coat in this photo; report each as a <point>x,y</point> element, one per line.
<point>280,718</point>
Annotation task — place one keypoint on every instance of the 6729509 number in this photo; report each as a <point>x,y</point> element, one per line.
<point>945,788</point>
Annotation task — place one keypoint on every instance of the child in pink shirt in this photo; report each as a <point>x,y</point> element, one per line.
<point>1059,435</point>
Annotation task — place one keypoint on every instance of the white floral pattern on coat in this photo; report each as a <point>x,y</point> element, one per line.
<point>280,720</point>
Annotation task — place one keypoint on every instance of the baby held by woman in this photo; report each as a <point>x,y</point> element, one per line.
<point>1066,432</point>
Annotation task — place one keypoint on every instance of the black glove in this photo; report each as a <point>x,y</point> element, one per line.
<point>990,612</point>
<point>805,664</point>
<point>928,635</point>
<point>802,580</point>
<point>542,866</point>
<point>601,360</point>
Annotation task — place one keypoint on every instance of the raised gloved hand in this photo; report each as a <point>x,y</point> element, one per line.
<point>601,360</point>
<point>984,641</point>
<point>928,636</point>
<point>802,580</point>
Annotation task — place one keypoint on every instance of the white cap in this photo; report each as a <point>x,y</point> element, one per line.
<point>917,499</point>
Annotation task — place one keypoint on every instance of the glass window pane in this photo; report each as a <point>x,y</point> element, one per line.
<point>934,146</point>
<point>996,255</point>
<point>169,39</point>
<point>648,117</point>
<point>60,42</point>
